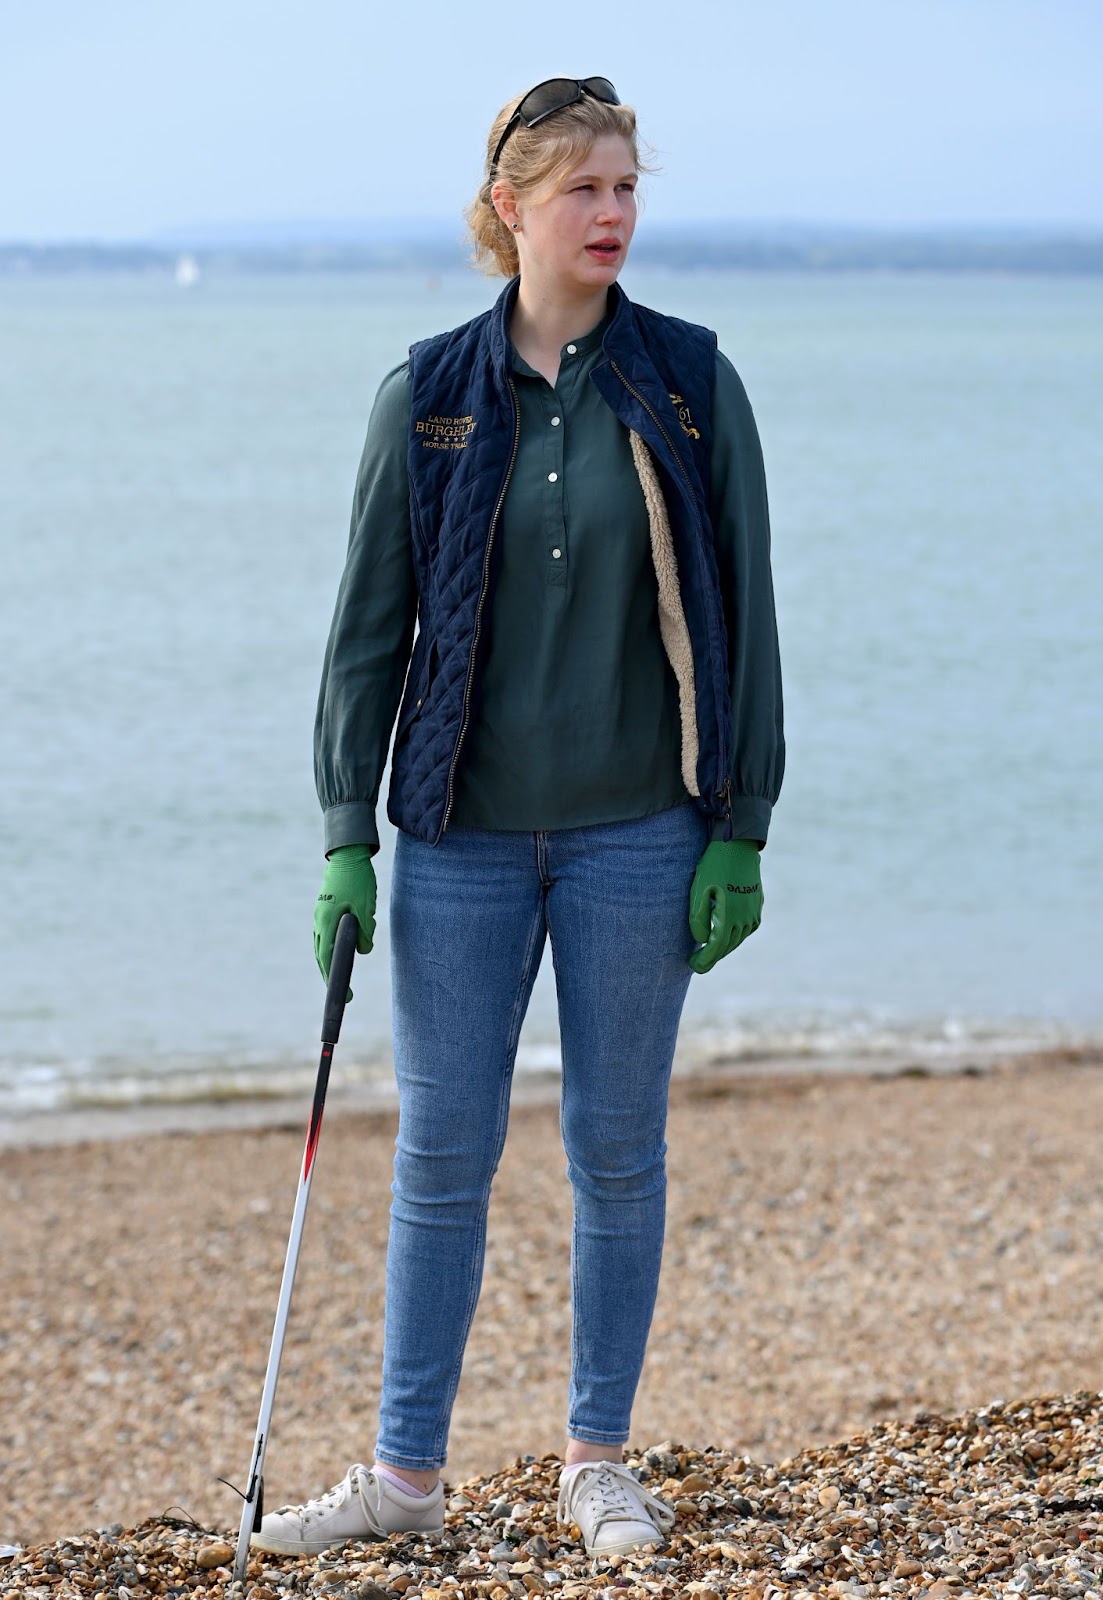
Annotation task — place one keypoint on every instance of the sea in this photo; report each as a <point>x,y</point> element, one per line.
<point>177,466</point>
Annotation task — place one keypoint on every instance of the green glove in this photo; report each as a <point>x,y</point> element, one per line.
<point>725,900</point>
<point>347,885</point>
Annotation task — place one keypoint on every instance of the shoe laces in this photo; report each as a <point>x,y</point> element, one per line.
<point>621,1494</point>
<point>332,1500</point>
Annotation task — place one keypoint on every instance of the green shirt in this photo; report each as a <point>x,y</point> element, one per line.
<point>576,720</point>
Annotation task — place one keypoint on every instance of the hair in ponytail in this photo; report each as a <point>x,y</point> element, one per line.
<point>533,161</point>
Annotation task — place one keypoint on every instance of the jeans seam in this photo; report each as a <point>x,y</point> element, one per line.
<point>500,1133</point>
<point>573,1229</point>
<point>597,1435</point>
<point>542,858</point>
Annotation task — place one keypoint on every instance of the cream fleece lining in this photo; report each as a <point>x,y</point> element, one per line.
<point>672,618</point>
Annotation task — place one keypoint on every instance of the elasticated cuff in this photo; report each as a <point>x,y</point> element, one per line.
<point>750,819</point>
<point>351,823</point>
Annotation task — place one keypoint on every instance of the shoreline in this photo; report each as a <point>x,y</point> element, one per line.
<point>94,1124</point>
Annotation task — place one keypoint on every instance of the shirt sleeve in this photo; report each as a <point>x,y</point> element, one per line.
<point>741,523</point>
<point>370,638</point>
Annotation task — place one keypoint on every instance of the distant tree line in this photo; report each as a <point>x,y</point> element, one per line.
<point>791,249</point>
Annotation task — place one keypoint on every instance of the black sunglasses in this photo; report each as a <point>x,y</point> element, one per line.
<point>554,94</point>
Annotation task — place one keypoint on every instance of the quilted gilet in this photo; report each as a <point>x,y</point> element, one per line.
<point>657,377</point>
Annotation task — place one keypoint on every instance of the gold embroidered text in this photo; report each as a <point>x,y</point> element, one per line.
<point>684,417</point>
<point>445,433</point>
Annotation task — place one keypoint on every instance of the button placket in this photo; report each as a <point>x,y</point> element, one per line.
<point>555,524</point>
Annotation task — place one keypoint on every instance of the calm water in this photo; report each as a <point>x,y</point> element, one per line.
<point>177,467</point>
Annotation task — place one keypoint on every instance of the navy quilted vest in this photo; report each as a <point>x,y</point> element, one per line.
<point>657,377</point>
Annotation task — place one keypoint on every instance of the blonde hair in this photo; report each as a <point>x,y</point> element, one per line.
<point>533,161</point>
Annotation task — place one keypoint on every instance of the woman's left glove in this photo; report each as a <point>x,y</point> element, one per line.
<point>347,885</point>
<point>725,900</point>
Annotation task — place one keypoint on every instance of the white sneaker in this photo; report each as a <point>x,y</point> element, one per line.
<point>614,1512</point>
<point>362,1506</point>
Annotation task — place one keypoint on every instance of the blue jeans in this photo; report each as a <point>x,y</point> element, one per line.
<point>468,922</point>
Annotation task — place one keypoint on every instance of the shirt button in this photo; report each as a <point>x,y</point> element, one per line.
<point>571,349</point>
<point>553,477</point>
<point>556,554</point>
<point>555,422</point>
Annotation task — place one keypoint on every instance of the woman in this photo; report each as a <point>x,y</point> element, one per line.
<point>567,495</point>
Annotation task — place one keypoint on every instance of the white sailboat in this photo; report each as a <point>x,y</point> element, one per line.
<point>187,272</point>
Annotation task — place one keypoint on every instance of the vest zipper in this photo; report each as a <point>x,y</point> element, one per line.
<point>479,609</point>
<point>725,792</point>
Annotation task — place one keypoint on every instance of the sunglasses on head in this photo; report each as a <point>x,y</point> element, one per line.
<point>554,94</point>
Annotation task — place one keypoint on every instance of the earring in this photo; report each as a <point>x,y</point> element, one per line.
<point>516,227</point>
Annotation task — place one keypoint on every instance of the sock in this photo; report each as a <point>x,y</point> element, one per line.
<point>400,1483</point>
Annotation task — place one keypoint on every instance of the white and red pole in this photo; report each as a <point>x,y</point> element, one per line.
<point>344,952</point>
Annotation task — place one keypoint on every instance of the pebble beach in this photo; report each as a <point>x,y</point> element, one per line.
<point>874,1368</point>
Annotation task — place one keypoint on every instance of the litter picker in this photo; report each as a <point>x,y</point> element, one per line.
<point>344,952</point>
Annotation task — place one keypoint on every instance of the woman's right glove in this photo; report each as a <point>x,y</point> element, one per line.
<point>347,885</point>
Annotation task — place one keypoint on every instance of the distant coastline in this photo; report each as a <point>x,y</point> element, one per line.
<point>439,249</point>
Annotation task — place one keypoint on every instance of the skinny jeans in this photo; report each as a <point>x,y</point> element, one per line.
<point>469,919</point>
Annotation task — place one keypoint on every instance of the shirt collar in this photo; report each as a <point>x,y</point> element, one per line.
<point>588,345</point>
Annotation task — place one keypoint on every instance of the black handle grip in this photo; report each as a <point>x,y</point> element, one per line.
<point>340,971</point>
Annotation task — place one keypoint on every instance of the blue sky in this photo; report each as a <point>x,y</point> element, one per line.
<point>125,119</point>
